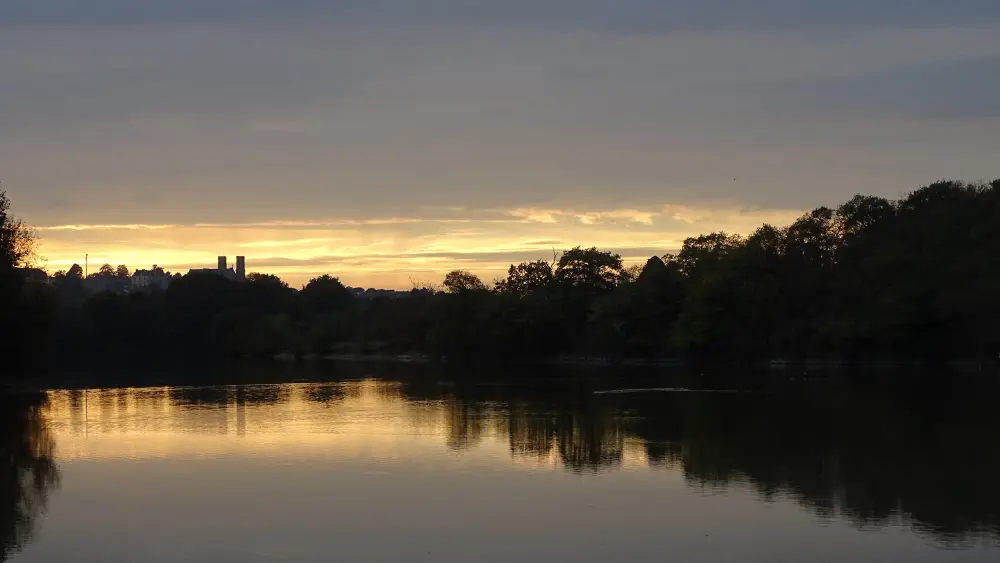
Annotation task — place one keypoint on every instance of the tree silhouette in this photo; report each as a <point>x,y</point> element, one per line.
<point>463,281</point>
<point>18,242</point>
<point>526,278</point>
<point>25,312</point>
<point>266,280</point>
<point>589,269</point>
<point>325,294</point>
<point>105,271</point>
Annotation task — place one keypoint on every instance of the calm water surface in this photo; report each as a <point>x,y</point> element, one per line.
<point>425,469</point>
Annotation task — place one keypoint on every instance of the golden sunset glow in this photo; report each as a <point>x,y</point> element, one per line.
<point>398,251</point>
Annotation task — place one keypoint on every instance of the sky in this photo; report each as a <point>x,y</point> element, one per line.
<point>389,141</point>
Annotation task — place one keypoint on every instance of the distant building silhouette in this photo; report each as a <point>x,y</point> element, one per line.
<point>146,280</point>
<point>239,274</point>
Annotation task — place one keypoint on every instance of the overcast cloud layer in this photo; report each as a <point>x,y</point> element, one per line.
<point>116,112</point>
<point>628,15</point>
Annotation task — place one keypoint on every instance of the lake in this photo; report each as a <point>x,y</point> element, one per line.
<point>384,466</point>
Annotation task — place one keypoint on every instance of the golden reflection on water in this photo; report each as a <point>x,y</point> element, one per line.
<point>370,418</point>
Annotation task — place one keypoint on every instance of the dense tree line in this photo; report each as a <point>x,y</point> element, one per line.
<point>915,278</point>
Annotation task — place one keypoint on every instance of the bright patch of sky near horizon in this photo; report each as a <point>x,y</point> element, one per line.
<point>383,143</point>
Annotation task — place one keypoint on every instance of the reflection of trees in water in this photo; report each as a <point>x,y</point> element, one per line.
<point>464,423</point>
<point>27,472</point>
<point>531,433</point>
<point>584,437</point>
<point>866,459</point>
<point>588,439</point>
<point>324,393</point>
<point>222,396</point>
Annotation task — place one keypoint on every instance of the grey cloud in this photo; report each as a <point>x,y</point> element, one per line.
<point>962,89</point>
<point>680,15</point>
<point>88,77</point>
<point>624,15</point>
<point>283,119</point>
